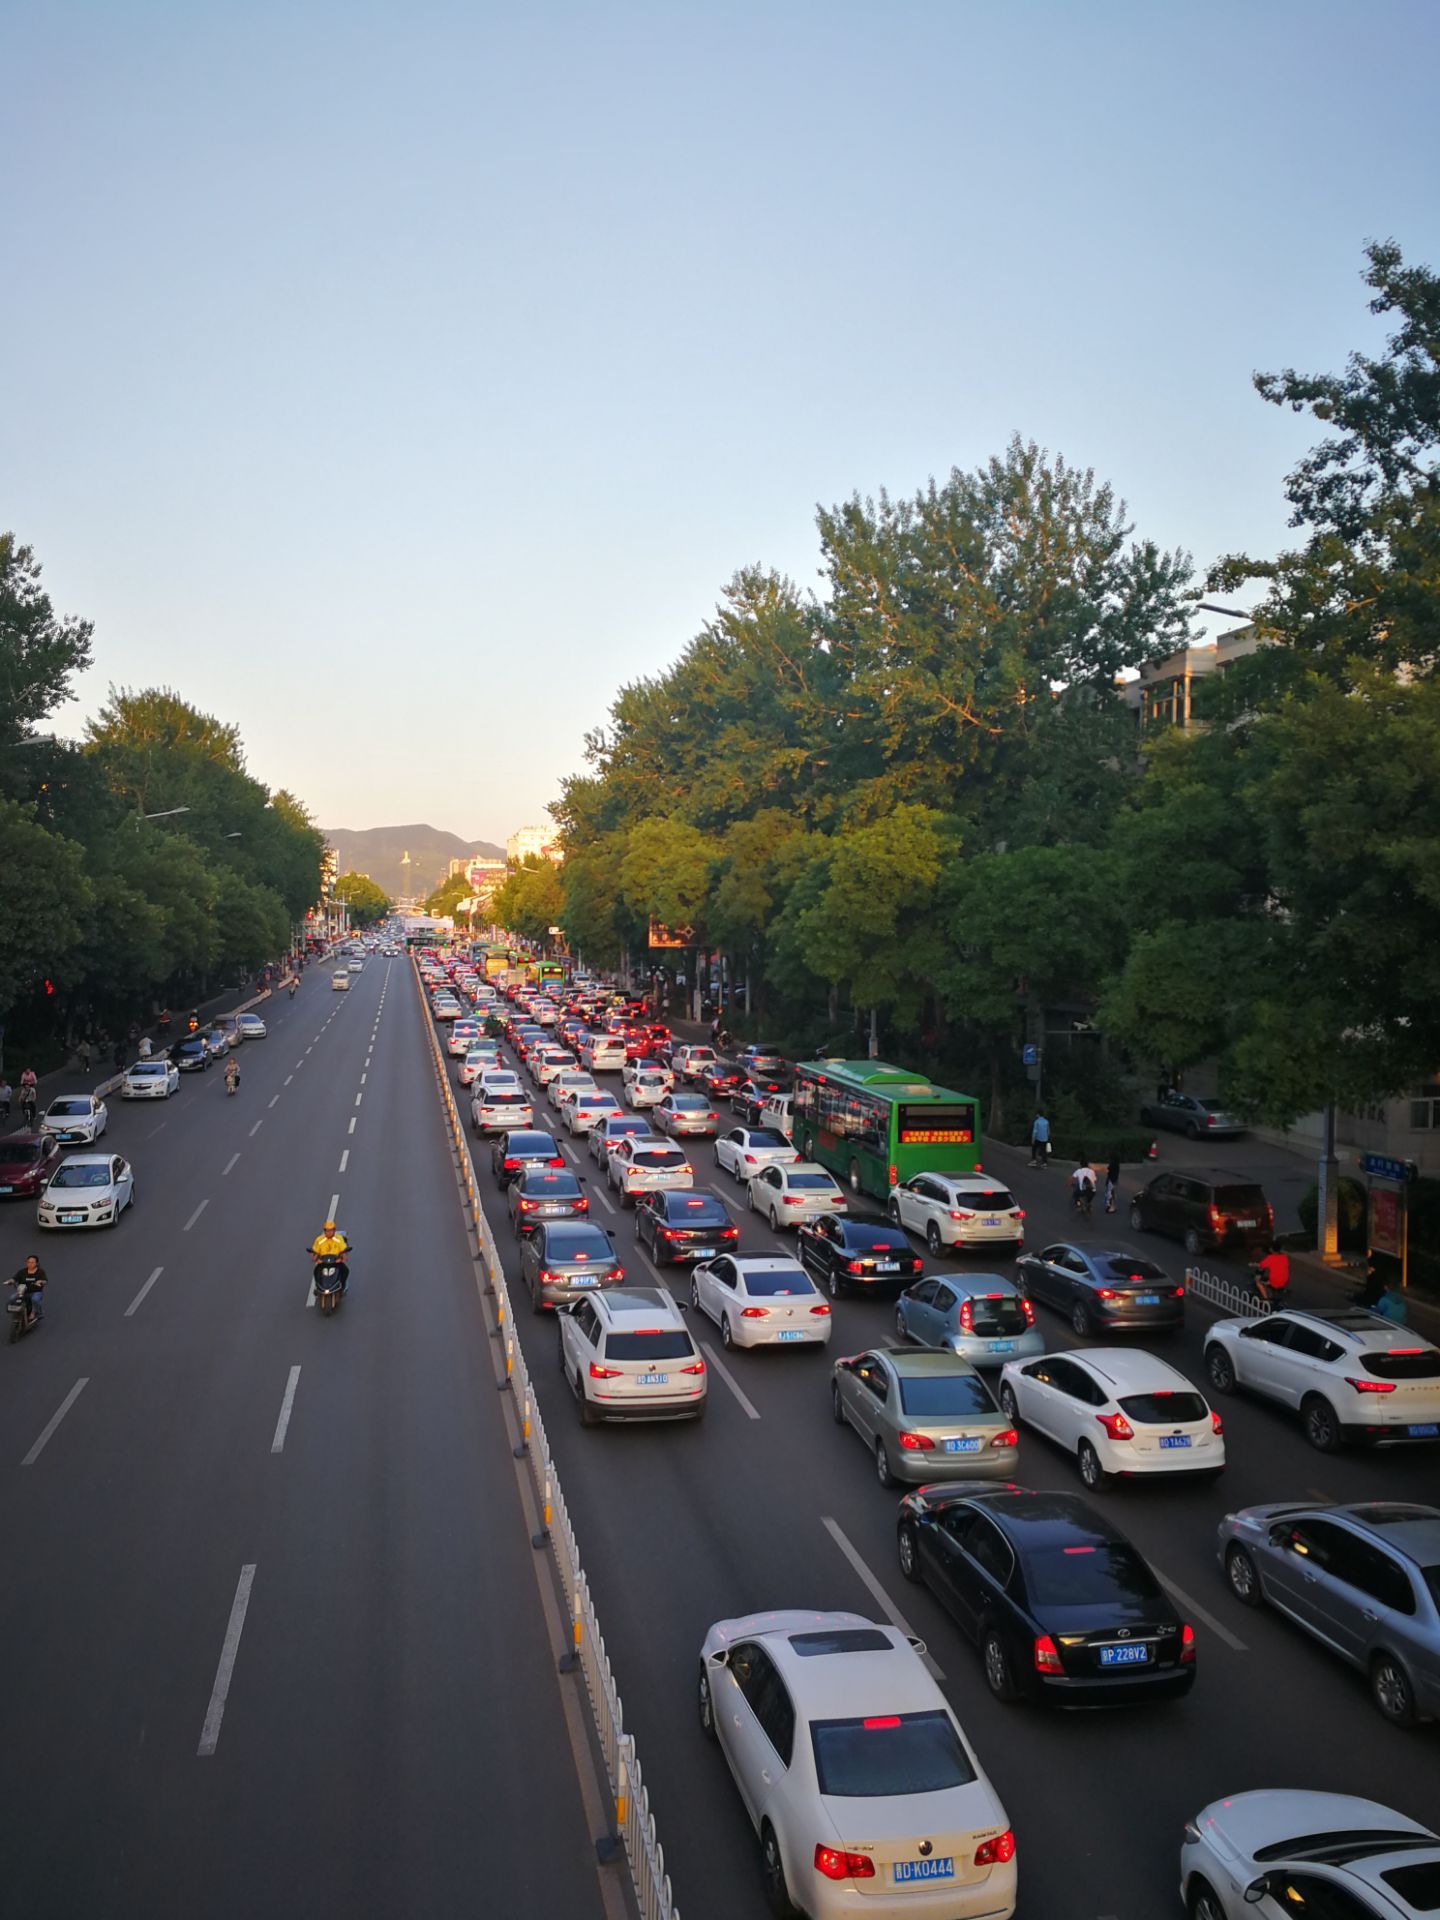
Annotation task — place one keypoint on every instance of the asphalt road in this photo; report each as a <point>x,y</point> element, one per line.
<point>768,1504</point>
<point>191,1455</point>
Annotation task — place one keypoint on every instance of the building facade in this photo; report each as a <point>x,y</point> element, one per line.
<point>542,843</point>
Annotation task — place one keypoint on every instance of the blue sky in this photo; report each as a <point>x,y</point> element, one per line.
<point>397,381</point>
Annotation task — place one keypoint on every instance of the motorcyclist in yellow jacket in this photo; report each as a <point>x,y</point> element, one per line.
<point>331,1244</point>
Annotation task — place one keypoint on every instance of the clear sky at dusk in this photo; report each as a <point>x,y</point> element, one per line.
<point>396,381</point>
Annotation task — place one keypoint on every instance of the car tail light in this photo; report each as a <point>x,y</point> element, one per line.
<point>730,1233</point>
<point>1028,1309</point>
<point>1370,1386</point>
<point>528,1206</point>
<point>597,1372</point>
<point>1047,1656</point>
<point>1116,1425</point>
<point>917,1443</point>
<point>1177,1293</point>
<point>510,1166</point>
<point>851,1266</point>
<point>751,1160</point>
<point>618,1274</point>
<point>1019,1212</point>
<point>1217,1425</point>
<point>582,1205</point>
<point>1105,1293</point>
<point>790,1201</point>
<point>687,1168</point>
<point>1214,1216</point>
<point>697,1366</point>
<point>997,1852</point>
<point>836,1864</point>
<point>967,1316</point>
<point>821,1309</point>
<point>712,1116</point>
<point>670,1233</point>
<point>962,1213</point>
<point>556,1162</point>
<point>754,1313</point>
<point>1187,1644</point>
<point>1010,1438</point>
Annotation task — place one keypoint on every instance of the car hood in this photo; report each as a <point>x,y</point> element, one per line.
<point>1267,1818</point>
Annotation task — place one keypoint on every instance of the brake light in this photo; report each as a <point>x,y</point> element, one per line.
<point>619,1273</point>
<point>528,1206</point>
<point>1028,1310</point>
<point>791,1201</point>
<point>961,1213</point>
<point>712,1116</point>
<point>558,1161</point>
<point>851,1266</point>
<point>996,1852</point>
<point>1177,1293</point>
<point>1187,1644</point>
<point>752,1160</point>
<point>1019,1213</point>
<point>886,1720</point>
<point>1047,1656</point>
<point>670,1233</point>
<point>597,1372</point>
<point>582,1205</point>
<point>1217,1425</point>
<point>967,1316</point>
<point>1105,1293</point>
<point>822,1308</point>
<point>835,1864</point>
<point>917,1443</point>
<point>894,1173</point>
<point>730,1233</point>
<point>1214,1215</point>
<point>697,1367</point>
<point>1370,1386</point>
<point>510,1166</point>
<point>1116,1425</point>
<point>754,1313</point>
<point>1010,1438</point>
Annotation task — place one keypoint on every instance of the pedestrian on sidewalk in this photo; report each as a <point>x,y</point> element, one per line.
<point>1039,1140</point>
<point>145,1049</point>
<point>119,1056</point>
<point>82,1054</point>
<point>1112,1180</point>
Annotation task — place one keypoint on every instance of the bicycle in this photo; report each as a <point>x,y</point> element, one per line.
<point>1083,1200</point>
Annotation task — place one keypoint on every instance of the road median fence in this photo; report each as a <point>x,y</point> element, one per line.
<point>633,1831</point>
<point>1225,1294</point>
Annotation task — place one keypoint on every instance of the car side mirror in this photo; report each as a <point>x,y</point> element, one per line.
<point>1256,1892</point>
<point>682,1306</point>
<point>721,1657</point>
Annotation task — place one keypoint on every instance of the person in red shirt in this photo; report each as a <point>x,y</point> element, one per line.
<point>1271,1274</point>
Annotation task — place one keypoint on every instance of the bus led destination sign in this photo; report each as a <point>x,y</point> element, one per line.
<point>936,1136</point>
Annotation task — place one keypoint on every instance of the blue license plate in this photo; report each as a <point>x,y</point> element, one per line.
<point>800,1336</point>
<point>654,1379</point>
<point>1131,1656</point>
<point>71,1219</point>
<point>1002,1346</point>
<point>703,1253</point>
<point>1174,1439</point>
<point>887,1266</point>
<point>1147,1299</point>
<point>7,1189</point>
<point>991,1220</point>
<point>1427,1430</point>
<point>907,1872</point>
<point>962,1446</point>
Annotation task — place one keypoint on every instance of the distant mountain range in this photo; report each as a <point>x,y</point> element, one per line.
<point>378,851</point>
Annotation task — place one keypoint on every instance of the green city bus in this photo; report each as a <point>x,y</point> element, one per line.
<point>874,1125</point>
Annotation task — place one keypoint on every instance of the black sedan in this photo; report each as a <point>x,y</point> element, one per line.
<point>719,1080</point>
<point>1104,1289</point>
<point>193,1055</point>
<point>1061,1606</point>
<point>520,1148</point>
<point>563,1260</point>
<point>749,1098</point>
<point>542,1192</point>
<point>684,1223</point>
<point>857,1250</point>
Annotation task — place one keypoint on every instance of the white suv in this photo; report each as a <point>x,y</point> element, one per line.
<point>602,1052</point>
<point>1351,1375</point>
<point>958,1210</point>
<point>628,1355</point>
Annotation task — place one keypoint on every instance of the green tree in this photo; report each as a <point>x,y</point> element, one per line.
<point>442,902</point>
<point>368,903</point>
<point>40,652</point>
<point>47,899</point>
<point>529,901</point>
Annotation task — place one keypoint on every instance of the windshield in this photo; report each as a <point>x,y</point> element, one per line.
<point>23,1154</point>
<point>69,1106</point>
<point>888,1755</point>
<point>958,1396</point>
<point>81,1176</point>
<point>147,1072</point>
<point>1087,1576</point>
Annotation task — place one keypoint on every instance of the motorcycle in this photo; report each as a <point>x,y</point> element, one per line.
<point>293,985</point>
<point>330,1281</point>
<point>23,1317</point>
<point>1082,1199</point>
<point>232,1079</point>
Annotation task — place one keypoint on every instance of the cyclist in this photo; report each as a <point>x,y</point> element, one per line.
<point>1082,1187</point>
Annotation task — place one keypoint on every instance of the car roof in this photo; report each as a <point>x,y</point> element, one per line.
<point>1405,1525</point>
<point>1028,1517</point>
<point>642,1304</point>
<point>764,1262</point>
<point>1359,1328</point>
<point>924,1363</point>
<point>806,1166</point>
<point>873,1668</point>
<point>102,1159</point>
<point>1129,1369</point>
<point>976,1283</point>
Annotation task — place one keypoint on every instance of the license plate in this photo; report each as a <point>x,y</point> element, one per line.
<point>887,1266</point>
<point>7,1189</point>
<point>1002,1346</point>
<point>580,1280</point>
<point>907,1872</point>
<point>1174,1439</point>
<point>653,1379</point>
<point>71,1139</point>
<point>992,1220</point>
<point>961,1446</point>
<point>1132,1656</point>
<point>71,1219</point>
<point>1147,1299</point>
<point>800,1336</point>
<point>1428,1430</point>
<point>703,1253</point>
<point>1247,1223</point>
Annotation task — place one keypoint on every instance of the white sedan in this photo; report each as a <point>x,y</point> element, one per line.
<point>150,1080</point>
<point>611,1129</point>
<point>250,1026</point>
<point>743,1151</point>
<point>786,1195</point>
<point>584,1110</point>
<point>1289,1850</point>
<point>75,1118</point>
<point>757,1300</point>
<point>878,1806</point>
<point>569,1080</point>
<point>1116,1411</point>
<point>88,1190</point>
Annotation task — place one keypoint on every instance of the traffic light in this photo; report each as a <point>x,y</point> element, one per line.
<point>49,989</point>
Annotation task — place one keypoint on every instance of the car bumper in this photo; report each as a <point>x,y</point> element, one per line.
<point>879,1282</point>
<point>157,1092</point>
<point>1142,1320</point>
<point>918,1469</point>
<point>565,1293</point>
<point>632,1407</point>
<point>1113,1690</point>
<point>1390,1434</point>
<point>816,1335</point>
<point>51,1220</point>
<point>980,1352</point>
<point>972,1236</point>
<point>990,1898</point>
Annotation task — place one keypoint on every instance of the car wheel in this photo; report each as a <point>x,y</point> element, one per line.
<point>1137,1220</point>
<point>1219,1370</point>
<point>705,1706</point>
<point>1322,1429</point>
<point>1392,1690</point>
<point>1091,1471</point>
<point>1080,1319</point>
<point>900,1327</point>
<point>837,1405</point>
<point>882,1465</point>
<point>1193,1243</point>
<point>774,1220</point>
<point>909,1552</point>
<point>932,1239</point>
<point>1192,1132</point>
<point>750,1196</point>
<point>1008,1403</point>
<point>892,1211</point>
<point>777,1894</point>
<point>727,1339</point>
<point>833,1285</point>
<point>695,1293</point>
<point>996,1663</point>
<point>1203,1903</point>
<point>537,1301</point>
<point>1242,1575</point>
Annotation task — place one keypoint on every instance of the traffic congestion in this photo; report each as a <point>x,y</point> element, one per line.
<point>1211,1536</point>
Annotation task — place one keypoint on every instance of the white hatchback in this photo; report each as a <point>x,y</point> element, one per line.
<point>647,1089</point>
<point>340,983</point>
<point>867,1796</point>
<point>585,1109</point>
<point>628,1355</point>
<point>958,1210</point>
<point>758,1300</point>
<point>150,1080</point>
<point>1117,1410</point>
<point>570,1080</point>
<point>87,1190</point>
<point>801,1190</point>
<point>603,1053</point>
<point>743,1151</point>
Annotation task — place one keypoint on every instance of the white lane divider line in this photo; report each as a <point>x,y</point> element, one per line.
<point>195,1216</point>
<point>363,1078</point>
<point>606,1202</point>
<point>881,1598</point>
<point>257,1126</point>
<point>1206,1620</point>
<point>229,1164</point>
<point>219,1693</point>
<point>712,1359</point>
<point>310,1297</point>
<point>154,1130</point>
<point>334,1206</point>
<point>344,1159</point>
<point>275,1097</point>
<point>288,1078</point>
<point>53,1422</point>
<point>277,1445</point>
<point>143,1291</point>
<point>351,1127</point>
<point>566,1147</point>
<point>358,1098</point>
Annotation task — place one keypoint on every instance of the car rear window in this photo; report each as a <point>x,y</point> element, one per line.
<point>553,1186</point>
<point>888,1754</point>
<point>695,1210</point>
<point>691,1102</point>
<point>571,1242</point>
<point>1163,1409</point>
<point>659,1157</point>
<point>949,1396</point>
<point>778,1281</point>
<point>1087,1576</point>
<point>664,1343</point>
<point>1239,1199</point>
<point>763,1137</point>
<point>811,1182</point>
<point>1403,1363</point>
<point>504,1097</point>
<point>1127,1269</point>
<point>997,1313</point>
<point>1418,1884</point>
<point>991,1200</point>
<point>530,1143</point>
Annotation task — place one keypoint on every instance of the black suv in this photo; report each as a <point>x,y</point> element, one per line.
<point>1206,1210</point>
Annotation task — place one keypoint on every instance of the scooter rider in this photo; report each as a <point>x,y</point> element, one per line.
<point>232,1074</point>
<point>331,1244</point>
<point>1082,1187</point>
<point>29,1283</point>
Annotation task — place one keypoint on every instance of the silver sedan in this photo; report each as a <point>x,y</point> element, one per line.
<point>924,1416</point>
<point>982,1316</point>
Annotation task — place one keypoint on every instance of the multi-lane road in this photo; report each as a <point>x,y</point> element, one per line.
<point>769,1504</point>
<point>273,1636</point>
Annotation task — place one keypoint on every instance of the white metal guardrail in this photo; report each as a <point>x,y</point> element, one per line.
<point>1225,1294</point>
<point>634,1824</point>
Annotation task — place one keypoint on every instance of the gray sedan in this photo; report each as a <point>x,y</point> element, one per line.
<point>924,1416</point>
<point>981,1316</point>
<point>1105,1289</point>
<point>1364,1580</point>
<point>1200,1119</point>
<point>563,1260</point>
